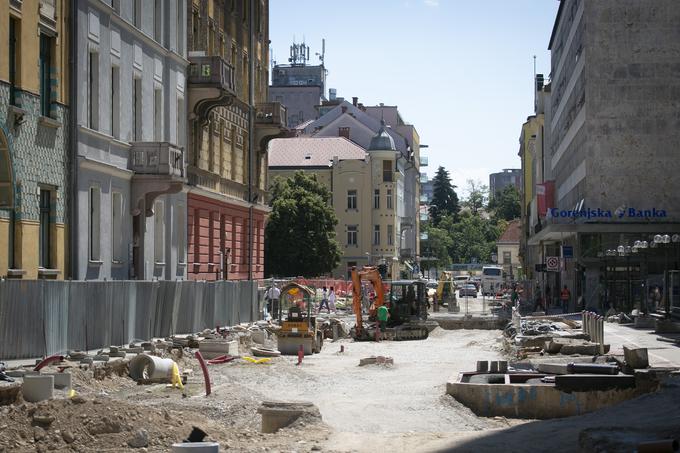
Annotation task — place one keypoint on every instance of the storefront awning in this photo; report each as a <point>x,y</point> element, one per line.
<point>562,231</point>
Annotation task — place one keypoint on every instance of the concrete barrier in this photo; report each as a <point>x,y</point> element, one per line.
<point>37,387</point>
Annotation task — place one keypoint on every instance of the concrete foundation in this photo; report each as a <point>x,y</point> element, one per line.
<point>196,447</point>
<point>535,401</point>
<point>473,322</point>
<point>37,388</point>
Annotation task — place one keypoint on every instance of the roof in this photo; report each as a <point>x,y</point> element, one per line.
<point>511,234</point>
<point>312,151</point>
<point>382,140</point>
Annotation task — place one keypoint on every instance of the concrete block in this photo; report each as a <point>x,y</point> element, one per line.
<point>493,366</point>
<point>593,382</point>
<point>37,388</point>
<point>482,366</point>
<point>580,349</point>
<point>636,357</point>
<point>196,447</point>
<point>214,348</point>
<point>553,368</point>
<point>61,380</point>
<point>277,415</point>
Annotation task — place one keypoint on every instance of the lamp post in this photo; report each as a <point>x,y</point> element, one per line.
<point>640,247</point>
<point>612,254</point>
<point>664,239</point>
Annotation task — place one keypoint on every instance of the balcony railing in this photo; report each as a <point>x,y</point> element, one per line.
<point>406,253</point>
<point>423,178</point>
<point>157,158</point>
<point>211,72</point>
<point>271,113</point>
<point>423,161</point>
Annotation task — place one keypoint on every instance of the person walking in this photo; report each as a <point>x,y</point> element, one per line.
<point>331,300</point>
<point>273,295</point>
<point>565,296</point>
<point>324,301</point>
<point>514,297</point>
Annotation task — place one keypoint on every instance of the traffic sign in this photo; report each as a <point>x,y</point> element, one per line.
<point>552,263</point>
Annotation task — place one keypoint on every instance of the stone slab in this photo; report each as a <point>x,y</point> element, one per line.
<point>636,357</point>
<point>593,382</point>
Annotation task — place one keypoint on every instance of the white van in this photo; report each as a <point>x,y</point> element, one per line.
<point>492,279</point>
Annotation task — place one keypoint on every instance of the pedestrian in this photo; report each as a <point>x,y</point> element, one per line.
<point>324,301</point>
<point>272,296</point>
<point>514,297</point>
<point>331,300</point>
<point>383,315</point>
<point>565,296</point>
<point>435,306</point>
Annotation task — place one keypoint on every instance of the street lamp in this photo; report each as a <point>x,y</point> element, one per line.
<point>662,239</point>
<point>612,254</point>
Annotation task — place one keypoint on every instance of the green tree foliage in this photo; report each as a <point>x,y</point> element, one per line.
<point>300,233</point>
<point>474,239</point>
<point>436,246</point>
<point>478,195</point>
<point>444,197</point>
<point>506,204</point>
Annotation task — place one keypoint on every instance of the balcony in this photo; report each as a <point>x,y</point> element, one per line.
<point>271,113</point>
<point>423,161</point>
<point>211,72</point>
<point>157,158</point>
<point>423,178</point>
<point>158,169</point>
<point>406,253</point>
<point>407,222</point>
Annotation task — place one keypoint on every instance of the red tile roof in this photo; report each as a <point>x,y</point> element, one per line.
<point>511,233</point>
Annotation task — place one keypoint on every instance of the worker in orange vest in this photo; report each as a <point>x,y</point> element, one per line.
<point>565,295</point>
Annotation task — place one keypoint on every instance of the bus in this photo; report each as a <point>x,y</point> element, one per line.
<point>492,280</point>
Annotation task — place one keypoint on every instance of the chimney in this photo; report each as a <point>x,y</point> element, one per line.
<point>344,109</point>
<point>343,132</point>
<point>355,100</point>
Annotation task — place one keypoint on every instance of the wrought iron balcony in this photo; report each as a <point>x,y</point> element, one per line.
<point>273,113</point>
<point>211,72</point>
<point>157,158</point>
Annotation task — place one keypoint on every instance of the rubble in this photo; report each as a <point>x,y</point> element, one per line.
<point>377,360</point>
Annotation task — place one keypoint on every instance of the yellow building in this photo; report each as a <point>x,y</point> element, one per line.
<point>527,152</point>
<point>34,130</point>
<point>367,191</point>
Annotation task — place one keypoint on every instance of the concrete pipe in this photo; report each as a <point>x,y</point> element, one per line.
<point>37,388</point>
<point>145,366</point>
<point>658,446</point>
<point>196,447</point>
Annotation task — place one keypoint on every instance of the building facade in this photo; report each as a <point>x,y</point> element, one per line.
<point>507,251</point>
<point>609,166</point>
<point>130,97</point>
<point>508,177</point>
<point>34,139</point>
<point>367,193</point>
<point>230,123</point>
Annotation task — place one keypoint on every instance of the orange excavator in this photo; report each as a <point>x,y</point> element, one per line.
<point>408,307</point>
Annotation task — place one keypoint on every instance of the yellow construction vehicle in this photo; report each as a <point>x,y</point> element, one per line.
<point>299,328</point>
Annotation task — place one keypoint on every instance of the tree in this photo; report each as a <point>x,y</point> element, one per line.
<point>506,204</point>
<point>477,196</point>
<point>444,197</point>
<point>436,246</point>
<point>300,233</point>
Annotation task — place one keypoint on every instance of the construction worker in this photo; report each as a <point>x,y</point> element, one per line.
<point>383,315</point>
<point>565,295</point>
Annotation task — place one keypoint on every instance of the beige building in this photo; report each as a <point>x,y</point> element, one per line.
<point>367,190</point>
<point>508,251</point>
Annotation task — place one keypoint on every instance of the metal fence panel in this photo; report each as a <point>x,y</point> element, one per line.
<point>56,297</point>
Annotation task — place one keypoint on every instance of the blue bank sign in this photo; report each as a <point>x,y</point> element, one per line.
<point>603,214</point>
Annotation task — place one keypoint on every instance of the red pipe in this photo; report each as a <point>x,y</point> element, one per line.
<point>47,360</point>
<point>206,376</point>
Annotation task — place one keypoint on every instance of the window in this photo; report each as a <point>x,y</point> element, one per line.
<point>158,114</point>
<point>179,32</point>
<point>352,231</point>
<point>137,109</point>
<point>137,13</point>
<point>390,204</point>
<point>95,216</point>
<point>115,4</point>
<point>179,141</point>
<point>507,258</point>
<point>157,21</point>
<point>14,50</point>
<point>115,101</point>
<point>376,199</point>
<point>351,199</point>
<point>376,234</point>
<point>181,234</point>
<point>117,227</point>
<point>45,83</point>
<point>45,210</point>
<point>93,91</point>
<point>390,234</point>
<point>387,171</point>
<point>159,233</point>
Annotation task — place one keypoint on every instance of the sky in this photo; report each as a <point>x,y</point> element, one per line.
<point>460,71</point>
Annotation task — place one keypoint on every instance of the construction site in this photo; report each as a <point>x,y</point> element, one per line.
<point>467,374</point>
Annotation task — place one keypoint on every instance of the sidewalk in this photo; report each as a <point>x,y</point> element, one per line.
<point>661,353</point>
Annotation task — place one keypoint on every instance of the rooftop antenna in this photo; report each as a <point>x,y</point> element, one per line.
<point>382,114</point>
<point>299,54</point>
<point>322,55</point>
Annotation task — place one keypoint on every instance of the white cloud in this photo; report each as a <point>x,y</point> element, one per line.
<point>433,3</point>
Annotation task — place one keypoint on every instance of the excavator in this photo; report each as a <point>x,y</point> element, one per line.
<point>407,307</point>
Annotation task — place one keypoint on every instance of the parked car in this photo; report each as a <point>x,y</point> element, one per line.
<point>477,282</point>
<point>469,290</point>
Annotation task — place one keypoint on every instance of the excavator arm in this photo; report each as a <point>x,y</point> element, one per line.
<point>371,274</point>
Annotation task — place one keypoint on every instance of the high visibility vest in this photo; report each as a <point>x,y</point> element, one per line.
<point>565,294</point>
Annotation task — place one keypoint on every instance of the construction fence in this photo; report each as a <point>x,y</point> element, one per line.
<point>42,317</point>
